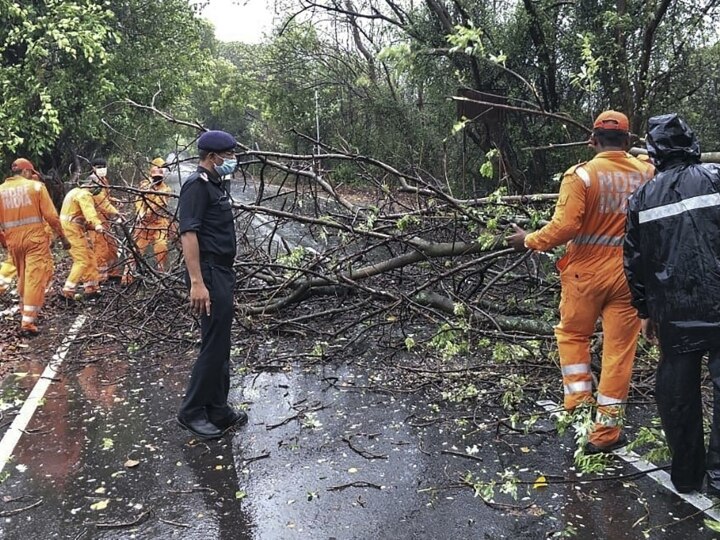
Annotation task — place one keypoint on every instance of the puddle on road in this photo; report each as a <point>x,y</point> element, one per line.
<point>104,449</point>
<point>329,462</point>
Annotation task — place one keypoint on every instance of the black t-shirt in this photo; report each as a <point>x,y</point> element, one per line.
<point>206,208</point>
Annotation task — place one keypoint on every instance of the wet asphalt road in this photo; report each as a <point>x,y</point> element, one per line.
<point>320,458</point>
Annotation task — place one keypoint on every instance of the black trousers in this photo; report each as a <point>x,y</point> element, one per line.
<point>677,392</point>
<point>209,384</point>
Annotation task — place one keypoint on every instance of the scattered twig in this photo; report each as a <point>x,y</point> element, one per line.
<point>193,490</point>
<point>122,525</point>
<point>264,455</point>
<point>37,431</point>
<point>361,452</point>
<point>358,484</point>
<point>421,423</point>
<point>195,442</point>
<point>20,510</point>
<point>297,416</point>
<point>175,523</point>
<point>460,454</point>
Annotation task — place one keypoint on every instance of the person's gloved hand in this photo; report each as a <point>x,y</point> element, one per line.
<point>99,229</point>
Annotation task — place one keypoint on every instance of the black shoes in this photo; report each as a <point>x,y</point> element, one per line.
<point>228,419</point>
<point>591,449</point>
<point>200,426</point>
<point>212,425</point>
<point>712,487</point>
<point>690,489</point>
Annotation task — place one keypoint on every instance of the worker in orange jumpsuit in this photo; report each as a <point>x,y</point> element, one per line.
<point>173,234</point>
<point>590,218</point>
<point>25,209</point>
<point>152,220</point>
<point>79,215</point>
<point>106,249</point>
<point>8,273</point>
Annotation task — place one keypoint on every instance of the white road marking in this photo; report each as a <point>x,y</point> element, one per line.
<point>17,428</point>
<point>699,501</point>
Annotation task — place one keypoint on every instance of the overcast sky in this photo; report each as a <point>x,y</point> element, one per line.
<point>239,22</point>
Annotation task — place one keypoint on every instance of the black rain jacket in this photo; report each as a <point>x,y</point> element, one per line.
<point>672,241</point>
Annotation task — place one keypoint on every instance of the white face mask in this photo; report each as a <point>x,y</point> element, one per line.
<point>101,172</point>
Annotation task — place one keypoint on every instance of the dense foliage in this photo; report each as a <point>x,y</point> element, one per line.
<point>68,67</point>
<point>379,76</point>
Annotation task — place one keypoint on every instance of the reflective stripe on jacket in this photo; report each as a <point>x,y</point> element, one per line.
<point>25,203</point>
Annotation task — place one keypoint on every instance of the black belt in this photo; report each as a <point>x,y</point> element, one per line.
<point>219,260</point>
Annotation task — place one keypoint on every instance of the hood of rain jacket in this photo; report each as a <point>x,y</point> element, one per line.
<point>672,241</point>
<point>670,140</point>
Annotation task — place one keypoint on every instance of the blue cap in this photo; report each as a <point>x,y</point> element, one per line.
<point>216,141</point>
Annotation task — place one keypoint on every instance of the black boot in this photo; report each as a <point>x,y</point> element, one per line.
<point>227,417</point>
<point>713,483</point>
<point>198,424</point>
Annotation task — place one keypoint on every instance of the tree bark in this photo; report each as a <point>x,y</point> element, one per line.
<point>643,71</point>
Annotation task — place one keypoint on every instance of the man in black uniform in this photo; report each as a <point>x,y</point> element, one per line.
<point>207,232</point>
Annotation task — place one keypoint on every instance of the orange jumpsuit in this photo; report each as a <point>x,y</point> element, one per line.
<point>25,208</point>
<point>8,272</point>
<point>78,212</point>
<point>590,217</point>
<point>106,249</point>
<point>152,222</point>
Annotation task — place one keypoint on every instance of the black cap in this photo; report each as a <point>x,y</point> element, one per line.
<point>216,141</point>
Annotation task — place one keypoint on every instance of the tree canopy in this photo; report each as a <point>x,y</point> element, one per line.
<point>68,68</point>
<point>435,86</point>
